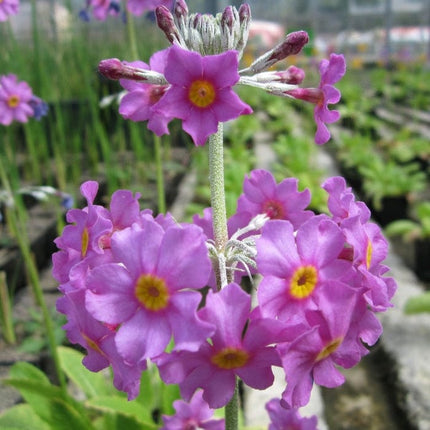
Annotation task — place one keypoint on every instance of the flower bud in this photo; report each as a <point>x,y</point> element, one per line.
<point>227,18</point>
<point>165,22</point>
<point>292,45</point>
<point>311,95</point>
<point>181,9</point>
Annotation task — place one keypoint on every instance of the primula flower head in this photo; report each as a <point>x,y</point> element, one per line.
<point>15,98</point>
<point>8,8</point>
<point>201,92</point>
<point>196,414</point>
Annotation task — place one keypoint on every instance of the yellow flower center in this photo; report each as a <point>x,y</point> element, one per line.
<point>152,292</point>
<point>303,281</point>
<point>85,240</point>
<point>201,93</point>
<point>12,101</point>
<point>329,349</point>
<point>369,253</point>
<point>230,358</point>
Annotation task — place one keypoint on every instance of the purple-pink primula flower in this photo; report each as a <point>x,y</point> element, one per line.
<point>319,345</point>
<point>262,195</point>
<point>299,267</point>
<point>100,9</point>
<point>15,98</point>
<point>138,103</point>
<point>99,341</point>
<point>196,414</point>
<point>288,419</point>
<point>231,352</point>
<point>331,71</point>
<point>138,7</point>
<point>8,8</point>
<point>149,289</point>
<point>200,92</point>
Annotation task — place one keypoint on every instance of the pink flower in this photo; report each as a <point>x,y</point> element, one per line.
<point>99,341</point>
<point>149,289</point>
<point>201,91</point>
<point>7,8</point>
<point>230,353</point>
<point>285,419</point>
<point>331,71</point>
<point>300,267</point>
<point>101,9</point>
<point>15,98</point>
<point>262,195</point>
<point>138,103</point>
<point>319,345</point>
<point>193,415</point>
<point>138,7</point>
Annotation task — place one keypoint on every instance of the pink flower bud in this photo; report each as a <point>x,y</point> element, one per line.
<point>244,13</point>
<point>292,45</point>
<point>114,69</point>
<point>227,18</point>
<point>165,22</point>
<point>181,9</point>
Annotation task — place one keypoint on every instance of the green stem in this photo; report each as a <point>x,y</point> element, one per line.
<point>232,411</point>
<point>160,178</point>
<point>6,311</point>
<point>131,32</point>
<point>219,213</point>
<point>16,222</point>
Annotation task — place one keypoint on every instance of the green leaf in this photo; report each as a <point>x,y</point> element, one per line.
<point>49,402</point>
<point>22,417</point>
<point>122,406</point>
<point>418,304</point>
<point>91,383</point>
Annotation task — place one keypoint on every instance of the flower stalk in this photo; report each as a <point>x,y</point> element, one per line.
<point>216,180</point>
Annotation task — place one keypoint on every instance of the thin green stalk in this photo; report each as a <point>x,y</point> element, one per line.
<point>131,33</point>
<point>16,224</point>
<point>6,312</point>
<point>216,179</point>
<point>161,194</point>
<point>232,411</point>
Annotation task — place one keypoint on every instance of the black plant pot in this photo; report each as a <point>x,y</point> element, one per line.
<point>392,209</point>
<point>422,259</point>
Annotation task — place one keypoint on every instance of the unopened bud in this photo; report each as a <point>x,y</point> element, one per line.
<point>113,68</point>
<point>165,22</point>
<point>227,18</point>
<point>180,9</point>
<point>244,13</point>
<point>292,45</point>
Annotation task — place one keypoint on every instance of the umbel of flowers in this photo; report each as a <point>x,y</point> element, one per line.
<point>139,288</point>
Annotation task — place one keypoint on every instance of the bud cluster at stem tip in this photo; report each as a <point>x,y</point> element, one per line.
<point>204,33</point>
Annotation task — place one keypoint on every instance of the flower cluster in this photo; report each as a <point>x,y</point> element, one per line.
<point>132,282</point>
<point>17,101</point>
<point>193,80</point>
<point>8,8</point>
